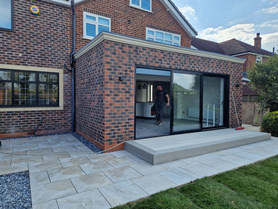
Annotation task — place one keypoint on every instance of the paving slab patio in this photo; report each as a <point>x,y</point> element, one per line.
<point>64,173</point>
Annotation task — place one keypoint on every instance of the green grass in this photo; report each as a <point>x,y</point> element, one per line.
<point>254,186</point>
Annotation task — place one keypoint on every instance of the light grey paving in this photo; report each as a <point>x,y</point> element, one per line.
<point>46,205</point>
<point>179,176</point>
<point>51,191</point>
<point>201,170</point>
<point>236,160</point>
<point>97,157</point>
<point>65,173</point>
<point>90,182</point>
<point>153,183</point>
<point>26,160</point>
<point>122,192</point>
<point>121,174</point>
<point>86,200</point>
<point>121,162</point>
<point>82,179</point>
<point>146,169</point>
<point>220,165</point>
<point>47,165</point>
<point>64,148</point>
<point>96,166</point>
<point>71,161</point>
<point>39,178</point>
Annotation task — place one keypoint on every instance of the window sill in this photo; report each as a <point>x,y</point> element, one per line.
<point>17,109</point>
<point>140,8</point>
<point>88,38</point>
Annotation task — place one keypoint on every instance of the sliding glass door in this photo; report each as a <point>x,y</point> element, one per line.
<point>186,102</point>
<point>213,101</point>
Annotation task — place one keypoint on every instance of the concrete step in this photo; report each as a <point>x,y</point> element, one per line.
<point>169,148</point>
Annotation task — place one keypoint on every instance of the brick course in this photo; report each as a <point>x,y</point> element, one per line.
<point>108,117</point>
<point>128,20</point>
<point>41,40</point>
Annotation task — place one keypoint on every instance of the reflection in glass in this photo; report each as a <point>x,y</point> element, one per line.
<point>186,95</point>
<point>5,93</point>
<point>24,94</point>
<point>48,94</point>
<point>5,75</point>
<point>22,76</point>
<point>213,99</point>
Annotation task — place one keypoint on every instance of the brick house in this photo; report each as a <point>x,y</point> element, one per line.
<point>125,48</point>
<point>234,47</point>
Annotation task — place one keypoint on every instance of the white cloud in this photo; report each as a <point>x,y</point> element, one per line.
<point>242,32</point>
<point>188,12</point>
<point>271,10</point>
<point>270,23</point>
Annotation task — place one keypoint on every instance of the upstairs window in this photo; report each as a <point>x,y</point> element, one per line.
<point>94,24</point>
<point>142,4</point>
<point>163,37</point>
<point>259,59</point>
<point>28,88</point>
<point>6,16</point>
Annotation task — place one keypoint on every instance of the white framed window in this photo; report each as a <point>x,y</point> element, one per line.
<point>163,37</point>
<point>94,24</point>
<point>259,59</point>
<point>142,4</point>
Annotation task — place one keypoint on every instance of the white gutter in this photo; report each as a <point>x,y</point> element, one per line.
<point>153,45</point>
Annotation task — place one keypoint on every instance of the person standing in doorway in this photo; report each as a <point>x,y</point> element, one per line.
<point>161,96</point>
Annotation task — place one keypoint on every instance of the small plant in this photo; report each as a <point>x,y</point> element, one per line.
<point>270,123</point>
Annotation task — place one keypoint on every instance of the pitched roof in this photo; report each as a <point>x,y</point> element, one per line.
<point>230,47</point>
<point>169,4</point>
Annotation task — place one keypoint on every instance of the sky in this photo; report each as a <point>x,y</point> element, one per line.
<point>222,20</point>
<point>5,14</point>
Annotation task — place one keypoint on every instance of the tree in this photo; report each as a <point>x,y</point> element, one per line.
<point>264,78</point>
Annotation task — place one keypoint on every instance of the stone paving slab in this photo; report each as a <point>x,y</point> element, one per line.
<point>69,175</point>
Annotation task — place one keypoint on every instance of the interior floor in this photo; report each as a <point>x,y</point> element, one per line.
<point>146,127</point>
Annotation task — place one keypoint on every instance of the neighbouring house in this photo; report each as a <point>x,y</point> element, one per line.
<point>124,49</point>
<point>252,54</point>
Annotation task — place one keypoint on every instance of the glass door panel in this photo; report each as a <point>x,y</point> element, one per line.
<point>213,101</point>
<point>186,102</point>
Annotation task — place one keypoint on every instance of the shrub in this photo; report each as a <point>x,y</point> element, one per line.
<point>270,123</point>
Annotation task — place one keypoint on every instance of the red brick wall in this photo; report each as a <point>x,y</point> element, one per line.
<point>115,108</point>
<point>128,20</point>
<point>41,40</point>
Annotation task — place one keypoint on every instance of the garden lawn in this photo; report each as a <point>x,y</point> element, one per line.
<point>253,186</point>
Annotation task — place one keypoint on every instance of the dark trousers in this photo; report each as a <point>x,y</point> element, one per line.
<point>159,108</point>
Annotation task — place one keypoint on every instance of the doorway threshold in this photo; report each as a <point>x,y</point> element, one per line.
<point>175,147</point>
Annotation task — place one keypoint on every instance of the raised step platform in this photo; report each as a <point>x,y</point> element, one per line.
<point>169,148</point>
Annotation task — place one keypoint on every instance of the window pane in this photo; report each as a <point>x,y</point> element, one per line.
<point>88,17</point>
<point>5,93</point>
<point>146,4</point>
<point>176,38</point>
<point>90,30</point>
<point>102,28</point>
<point>150,32</point>
<point>47,77</point>
<point>151,39</point>
<point>5,75</point>
<point>24,94</point>
<point>6,14</point>
<point>168,42</point>
<point>48,94</point>
<point>135,2</point>
<point>176,44</point>
<point>103,21</point>
<point>168,36</point>
<point>22,76</point>
<point>159,40</point>
<point>159,35</point>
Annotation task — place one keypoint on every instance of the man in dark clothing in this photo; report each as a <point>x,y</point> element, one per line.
<point>160,97</point>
